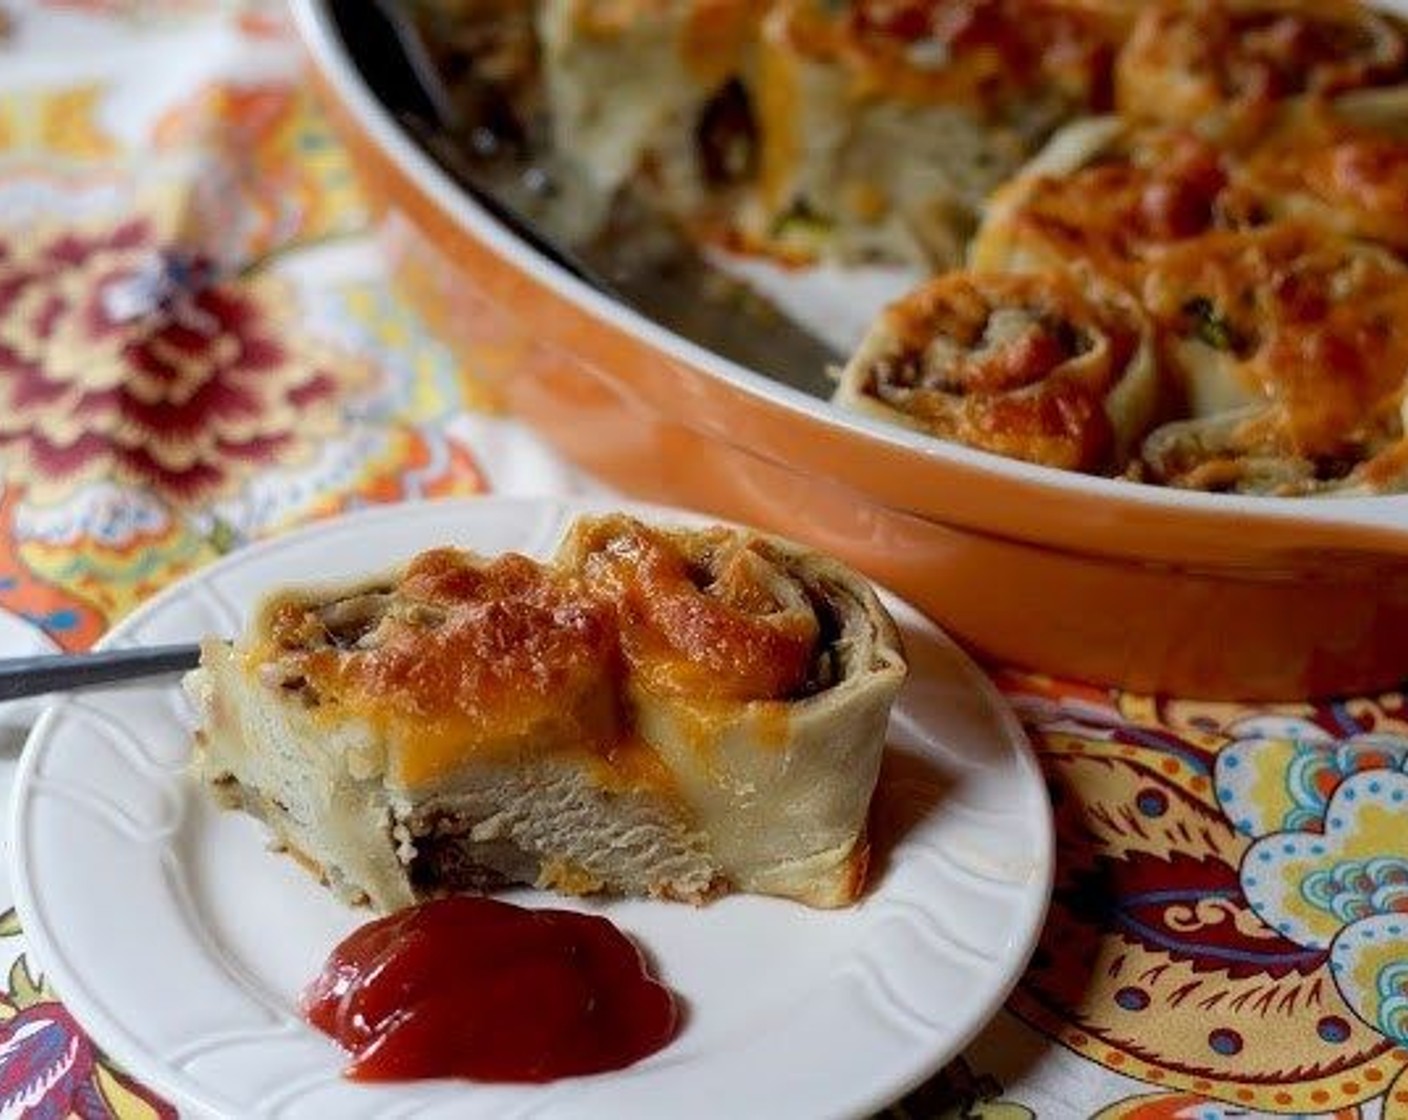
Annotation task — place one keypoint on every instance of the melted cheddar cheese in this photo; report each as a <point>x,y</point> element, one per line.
<point>978,53</point>
<point>1155,189</point>
<point>709,626</point>
<point>1317,165</point>
<point>1311,334</point>
<point>1024,365</point>
<point>716,35</point>
<point>1188,61</point>
<point>712,33</point>
<point>506,655</point>
<point>511,659</point>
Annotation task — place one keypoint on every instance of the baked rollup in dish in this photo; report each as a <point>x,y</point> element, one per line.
<point>1291,350</point>
<point>1224,63</point>
<point>883,126</point>
<point>483,48</point>
<point>643,91</point>
<point>1047,367</point>
<point>1108,196</point>
<point>1341,164</point>
<point>665,712</point>
<point>1113,194</point>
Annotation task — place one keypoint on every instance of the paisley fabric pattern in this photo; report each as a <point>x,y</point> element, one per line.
<point>183,366</point>
<point>1342,886</point>
<point>48,1068</point>
<point>201,344</point>
<point>1211,965</point>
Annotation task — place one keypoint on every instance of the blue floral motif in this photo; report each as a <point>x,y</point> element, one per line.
<point>1346,888</point>
<point>1312,761</point>
<point>1355,889</point>
<point>1270,785</point>
<point>1393,1000</point>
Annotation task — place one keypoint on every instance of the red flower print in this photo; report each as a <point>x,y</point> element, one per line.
<point>125,360</point>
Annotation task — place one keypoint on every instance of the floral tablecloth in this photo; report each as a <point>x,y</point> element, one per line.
<point>199,347</point>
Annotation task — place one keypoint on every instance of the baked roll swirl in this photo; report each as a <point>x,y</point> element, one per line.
<point>635,89</point>
<point>762,674</point>
<point>1046,367</point>
<point>1341,164</point>
<point>1291,351</point>
<point>884,125</point>
<point>1112,194</point>
<point>1224,63</point>
<point>671,713</point>
<point>1109,196</point>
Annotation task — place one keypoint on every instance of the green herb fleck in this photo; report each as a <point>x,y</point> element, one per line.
<point>1210,326</point>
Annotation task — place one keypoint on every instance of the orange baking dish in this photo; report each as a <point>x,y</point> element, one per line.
<point>1208,595</point>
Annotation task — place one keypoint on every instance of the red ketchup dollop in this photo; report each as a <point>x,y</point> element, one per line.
<point>482,989</point>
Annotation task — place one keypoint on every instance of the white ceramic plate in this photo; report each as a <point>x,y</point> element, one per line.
<point>181,942</point>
